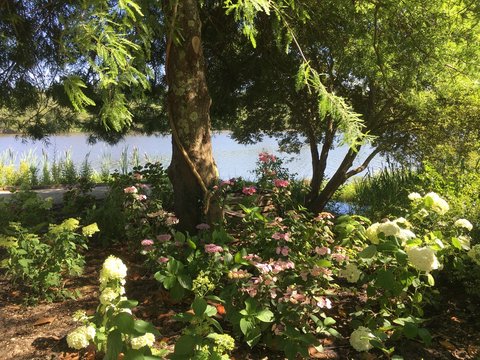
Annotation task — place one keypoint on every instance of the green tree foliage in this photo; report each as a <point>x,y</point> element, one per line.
<point>398,64</point>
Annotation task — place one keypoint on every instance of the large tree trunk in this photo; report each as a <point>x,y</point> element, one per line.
<point>192,169</point>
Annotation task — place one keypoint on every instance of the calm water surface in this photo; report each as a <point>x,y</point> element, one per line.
<point>232,159</point>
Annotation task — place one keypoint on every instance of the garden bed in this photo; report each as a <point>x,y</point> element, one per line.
<point>39,332</point>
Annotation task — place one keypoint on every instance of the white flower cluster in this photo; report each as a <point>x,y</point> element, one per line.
<point>389,228</point>
<point>464,223</point>
<point>113,269</point>
<point>351,273</point>
<point>436,203</point>
<point>422,258</point>
<point>474,254</point>
<point>140,341</point>
<point>80,337</point>
<point>360,339</point>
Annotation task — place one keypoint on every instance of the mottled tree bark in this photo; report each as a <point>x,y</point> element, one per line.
<point>192,170</point>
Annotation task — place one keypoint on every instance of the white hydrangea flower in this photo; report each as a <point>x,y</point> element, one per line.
<point>108,295</point>
<point>389,228</point>
<point>405,235</point>
<point>80,337</point>
<point>145,340</point>
<point>474,254</point>
<point>422,258</point>
<point>351,273</point>
<point>372,233</point>
<point>113,269</point>
<point>90,331</point>
<point>464,242</point>
<point>360,339</point>
<point>464,223</point>
<point>414,196</point>
<point>439,205</point>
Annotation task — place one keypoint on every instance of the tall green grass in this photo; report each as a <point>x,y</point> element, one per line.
<point>25,170</point>
<point>384,192</point>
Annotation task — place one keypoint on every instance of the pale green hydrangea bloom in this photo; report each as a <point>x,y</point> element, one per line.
<point>89,230</point>
<point>80,337</point>
<point>464,223</point>
<point>108,295</point>
<point>145,340</point>
<point>351,273</point>
<point>202,284</point>
<point>70,224</point>
<point>360,339</point>
<point>223,342</point>
<point>474,254</point>
<point>422,258</point>
<point>372,233</point>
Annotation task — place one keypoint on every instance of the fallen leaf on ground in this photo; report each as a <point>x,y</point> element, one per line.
<point>447,345</point>
<point>44,321</point>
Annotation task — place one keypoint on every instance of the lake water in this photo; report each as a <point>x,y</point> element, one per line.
<point>232,159</point>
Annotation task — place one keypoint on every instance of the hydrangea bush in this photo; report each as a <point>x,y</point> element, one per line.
<point>277,275</point>
<point>113,329</point>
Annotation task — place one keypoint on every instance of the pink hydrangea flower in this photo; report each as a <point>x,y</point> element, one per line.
<point>281,236</point>
<point>147,242</point>
<point>142,197</point>
<point>230,182</point>
<point>212,248</point>
<point>284,250</point>
<point>162,259</point>
<point>130,190</point>
<point>323,302</point>
<point>203,226</point>
<point>266,157</point>
<point>339,257</point>
<point>171,220</point>
<point>249,190</point>
<point>322,250</point>
<point>164,237</point>
<point>279,183</point>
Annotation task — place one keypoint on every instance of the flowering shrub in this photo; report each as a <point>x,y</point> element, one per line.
<point>113,329</point>
<point>396,266</point>
<point>41,262</point>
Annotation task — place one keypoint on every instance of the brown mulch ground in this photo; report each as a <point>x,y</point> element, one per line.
<point>38,332</point>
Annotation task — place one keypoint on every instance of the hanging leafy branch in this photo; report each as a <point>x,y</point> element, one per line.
<point>348,122</point>
<point>106,34</point>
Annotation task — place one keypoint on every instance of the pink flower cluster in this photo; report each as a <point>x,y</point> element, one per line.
<point>137,176</point>
<point>322,250</point>
<point>266,157</point>
<point>249,190</point>
<point>202,226</point>
<point>212,248</point>
<point>164,237</point>
<point>230,182</point>
<point>274,266</point>
<point>162,260</point>
<point>130,190</point>
<point>284,250</point>
<point>147,242</point>
<point>281,236</point>
<point>280,183</point>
